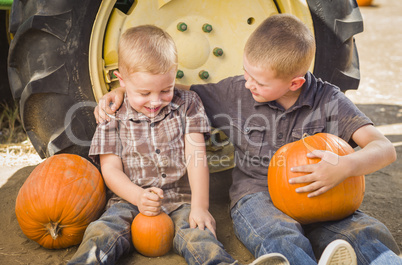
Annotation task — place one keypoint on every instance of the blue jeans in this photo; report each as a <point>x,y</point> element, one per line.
<point>263,228</point>
<point>108,238</point>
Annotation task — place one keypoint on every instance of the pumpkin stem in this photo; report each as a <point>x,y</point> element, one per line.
<point>53,229</point>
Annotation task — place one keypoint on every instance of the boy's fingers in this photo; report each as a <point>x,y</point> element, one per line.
<point>303,169</point>
<point>316,154</point>
<point>98,117</point>
<point>201,226</point>
<point>157,191</point>
<point>96,114</point>
<point>150,213</point>
<point>317,192</point>
<point>212,228</point>
<point>308,188</point>
<point>193,224</point>
<point>116,102</point>
<point>301,179</point>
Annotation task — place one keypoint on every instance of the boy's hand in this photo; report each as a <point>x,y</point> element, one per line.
<point>108,104</point>
<point>324,175</point>
<point>150,201</point>
<point>203,219</point>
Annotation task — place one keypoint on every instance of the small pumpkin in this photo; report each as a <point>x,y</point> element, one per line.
<point>152,235</point>
<point>335,204</point>
<point>59,199</point>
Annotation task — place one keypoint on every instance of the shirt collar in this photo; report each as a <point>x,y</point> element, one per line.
<point>126,112</point>
<point>306,97</point>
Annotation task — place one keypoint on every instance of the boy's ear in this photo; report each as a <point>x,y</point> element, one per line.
<point>121,81</point>
<point>297,83</point>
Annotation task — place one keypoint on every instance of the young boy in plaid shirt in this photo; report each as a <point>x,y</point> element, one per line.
<point>152,157</point>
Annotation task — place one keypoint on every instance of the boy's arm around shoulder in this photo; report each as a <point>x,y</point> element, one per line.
<point>198,175</point>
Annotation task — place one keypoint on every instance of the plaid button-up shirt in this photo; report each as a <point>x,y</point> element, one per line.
<point>152,151</point>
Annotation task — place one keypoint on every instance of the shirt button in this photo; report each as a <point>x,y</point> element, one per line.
<point>247,129</point>
<point>158,151</point>
<point>163,175</point>
<point>283,117</point>
<point>152,124</point>
<point>280,135</point>
<point>165,161</point>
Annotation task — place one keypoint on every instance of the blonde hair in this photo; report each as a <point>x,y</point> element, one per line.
<point>146,48</point>
<point>282,43</point>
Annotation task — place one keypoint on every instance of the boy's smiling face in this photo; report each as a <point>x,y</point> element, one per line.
<point>265,86</point>
<point>148,93</point>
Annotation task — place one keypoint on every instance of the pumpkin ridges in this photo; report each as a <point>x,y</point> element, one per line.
<point>56,208</point>
<point>51,207</point>
<point>288,201</point>
<point>70,214</point>
<point>33,198</point>
<point>39,210</point>
<point>98,186</point>
<point>349,185</point>
<point>73,198</point>
<point>152,236</point>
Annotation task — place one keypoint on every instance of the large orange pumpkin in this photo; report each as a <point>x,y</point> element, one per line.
<point>337,203</point>
<point>152,235</point>
<point>59,199</point>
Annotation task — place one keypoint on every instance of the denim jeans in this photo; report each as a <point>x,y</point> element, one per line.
<point>264,229</point>
<point>108,238</point>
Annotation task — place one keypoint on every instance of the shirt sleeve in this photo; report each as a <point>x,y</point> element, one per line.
<point>217,97</point>
<point>106,140</point>
<point>196,118</point>
<point>350,118</point>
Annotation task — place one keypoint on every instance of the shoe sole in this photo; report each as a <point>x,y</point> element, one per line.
<point>339,252</point>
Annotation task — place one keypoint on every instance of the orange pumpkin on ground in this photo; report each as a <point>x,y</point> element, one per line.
<point>59,199</point>
<point>364,2</point>
<point>335,204</point>
<point>152,235</point>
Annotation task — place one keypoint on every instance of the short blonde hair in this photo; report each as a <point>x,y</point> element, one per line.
<point>146,48</point>
<point>282,43</point>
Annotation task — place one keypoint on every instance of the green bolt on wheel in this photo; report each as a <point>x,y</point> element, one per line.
<point>206,28</point>
<point>203,74</point>
<point>179,74</point>
<point>181,26</point>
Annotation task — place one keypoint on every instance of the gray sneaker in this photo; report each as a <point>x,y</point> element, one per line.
<point>271,259</point>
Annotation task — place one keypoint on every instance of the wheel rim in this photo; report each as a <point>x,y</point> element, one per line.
<point>96,65</point>
<point>203,56</point>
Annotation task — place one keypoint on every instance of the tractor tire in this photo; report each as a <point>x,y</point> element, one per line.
<point>49,74</point>
<point>335,24</point>
<point>5,94</point>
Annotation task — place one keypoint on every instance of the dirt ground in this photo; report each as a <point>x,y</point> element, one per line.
<point>377,97</point>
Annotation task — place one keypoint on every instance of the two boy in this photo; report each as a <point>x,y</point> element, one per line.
<point>274,103</point>
<point>152,157</point>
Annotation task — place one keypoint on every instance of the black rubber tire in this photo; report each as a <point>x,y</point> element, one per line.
<point>335,24</point>
<point>49,74</point>
<point>5,93</point>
